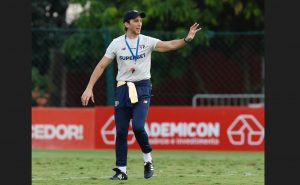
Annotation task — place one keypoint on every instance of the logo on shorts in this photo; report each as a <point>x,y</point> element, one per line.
<point>246,129</point>
<point>116,103</point>
<point>145,101</point>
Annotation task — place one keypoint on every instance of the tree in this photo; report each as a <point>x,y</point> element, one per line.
<point>173,16</point>
<point>168,19</point>
<point>46,16</point>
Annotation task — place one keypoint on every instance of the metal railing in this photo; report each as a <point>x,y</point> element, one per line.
<point>228,100</point>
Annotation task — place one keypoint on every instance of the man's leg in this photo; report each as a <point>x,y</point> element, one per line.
<point>139,115</point>
<point>122,119</point>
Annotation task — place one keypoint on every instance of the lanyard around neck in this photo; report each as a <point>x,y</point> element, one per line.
<point>136,49</point>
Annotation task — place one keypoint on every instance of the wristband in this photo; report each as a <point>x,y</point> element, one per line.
<point>186,40</point>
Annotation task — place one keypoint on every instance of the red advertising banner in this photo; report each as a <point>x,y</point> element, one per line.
<point>188,128</point>
<point>63,128</point>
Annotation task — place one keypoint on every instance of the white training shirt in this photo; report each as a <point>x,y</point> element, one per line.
<point>119,50</point>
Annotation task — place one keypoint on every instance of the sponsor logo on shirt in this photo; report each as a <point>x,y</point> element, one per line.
<point>131,57</point>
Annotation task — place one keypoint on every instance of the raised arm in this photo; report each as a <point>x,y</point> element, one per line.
<point>88,93</point>
<point>165,46</point>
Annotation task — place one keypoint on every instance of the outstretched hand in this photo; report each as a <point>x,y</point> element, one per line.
<point>193,30</point>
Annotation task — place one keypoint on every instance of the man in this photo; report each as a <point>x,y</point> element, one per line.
<point>133,92</point>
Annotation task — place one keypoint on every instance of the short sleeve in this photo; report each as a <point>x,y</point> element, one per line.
<point>152,42</point>
<point>111,50</point>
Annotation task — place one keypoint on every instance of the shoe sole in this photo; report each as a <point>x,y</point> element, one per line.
<point>149,176</point>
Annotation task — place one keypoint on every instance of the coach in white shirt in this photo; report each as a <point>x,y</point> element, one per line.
<point>133,92</point>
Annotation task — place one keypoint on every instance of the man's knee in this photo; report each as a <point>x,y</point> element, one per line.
<point>122,134</point>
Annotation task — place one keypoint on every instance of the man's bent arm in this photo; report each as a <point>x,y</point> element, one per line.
<point>103,63</point>
<point>88,93</point>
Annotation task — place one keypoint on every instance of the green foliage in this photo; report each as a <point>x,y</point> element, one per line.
<point>41,86</point>
<point>81,49</point>
<point>101,21</point>
<point>85,47</point>
<point>222,15</point>
<point>42,82</point>
<point>46,14</point>
<point>166,12</point>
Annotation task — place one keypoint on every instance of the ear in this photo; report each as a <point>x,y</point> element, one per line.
<point>126,24</point>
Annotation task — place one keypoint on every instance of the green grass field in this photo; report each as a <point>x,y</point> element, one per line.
<point>85,167</point>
